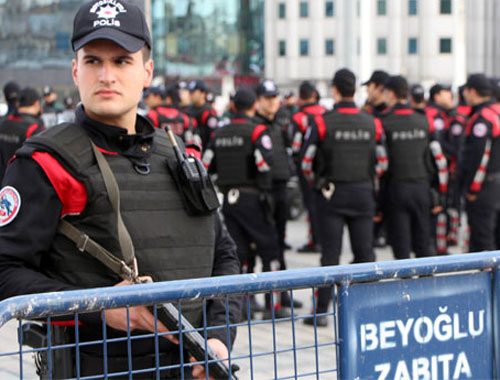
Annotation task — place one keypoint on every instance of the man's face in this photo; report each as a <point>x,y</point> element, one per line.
<point>197,97</point>
<point>375,93</point>
<point>444,98</point>
<point>153,100</point>
<point>110,80</point>
<point>389,97</point>
<point>268,105</point>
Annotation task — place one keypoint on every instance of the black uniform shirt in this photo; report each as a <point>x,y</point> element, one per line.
<point>25,241</point>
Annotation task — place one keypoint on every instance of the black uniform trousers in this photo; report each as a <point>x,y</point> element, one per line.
<point>408,222</point>
<point>351,204</point>
<point>249,222</point>
<point>280,216</point>
<point>484,218</point>
<point>309,199</point>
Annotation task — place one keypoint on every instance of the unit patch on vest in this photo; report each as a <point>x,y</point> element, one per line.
<point>229,141</point>
<point>267,142</point>
<point>212,122</point>
<point>10,203</point>
<point>416,134</point>
<point>480,130</point>
<point>354,135</point>
<point>438,124</point>
<point>456,129</point>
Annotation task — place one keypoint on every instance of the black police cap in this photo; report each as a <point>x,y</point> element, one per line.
<point>479,82</point>
<point>11,91</point>
<point>244,98</point>
<point>378,77</point>
<point>198,84</point>
<point>28,96</point>
<point>118,21</point>
<point>417,92</point>
<point>155,90</point>
<point>267,88</point>
<point>437,88</point>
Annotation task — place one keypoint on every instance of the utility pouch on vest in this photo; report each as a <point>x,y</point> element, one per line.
<point>196,187</point>
<point>35,336</point>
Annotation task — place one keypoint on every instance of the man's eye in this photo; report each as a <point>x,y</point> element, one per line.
<point>122,61</point>
<point>91,61</point>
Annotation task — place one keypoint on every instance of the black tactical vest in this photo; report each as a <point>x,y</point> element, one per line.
<point>169,244</point>
<point>234,154</point>
<point>280,170</point>
<point>348,147</point>
<point>12,135</point>
<point>407,146</point>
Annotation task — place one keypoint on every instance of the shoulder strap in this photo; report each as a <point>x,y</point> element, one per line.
<point>127,268</point>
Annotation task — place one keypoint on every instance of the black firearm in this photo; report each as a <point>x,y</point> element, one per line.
<point>194,343</point>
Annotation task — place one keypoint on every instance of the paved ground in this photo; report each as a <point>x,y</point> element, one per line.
<point>264,339</point>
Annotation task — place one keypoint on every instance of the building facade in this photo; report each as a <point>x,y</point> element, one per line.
<point>428,41</point>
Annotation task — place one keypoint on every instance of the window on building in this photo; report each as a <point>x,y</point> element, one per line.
<point>329,46</point>
<point>445,45</point>
<point>445,7</point>
<point>381,46</point>
<point>304,47</point>
<point>282,10</point>
<point>381,7</point>
<point>412,46</point>
<point>304,9</point>
<point>412,7</point>
<point>282,48</point>
<point>329,9</point>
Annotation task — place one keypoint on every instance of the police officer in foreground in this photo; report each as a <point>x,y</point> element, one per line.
<point>479,165</point>
<point>340,160</point>
<point>241,153</point>
<point>17,127</point>
<point>415,162</point>
<point>205,117</point>
<point>56,189</point>
<point>309,108</point>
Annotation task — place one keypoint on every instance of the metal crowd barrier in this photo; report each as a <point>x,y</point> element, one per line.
<point>430,318</point>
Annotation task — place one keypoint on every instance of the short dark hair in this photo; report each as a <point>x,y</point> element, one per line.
<point>344,81</point>
<point>307,90</point>
<point>244,99</point>
<point>28,96</point>
<point>480,83</point>
<point>399,85</point>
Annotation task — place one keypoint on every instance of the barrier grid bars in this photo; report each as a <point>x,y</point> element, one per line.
<point>281,281</point>
<point>129,338</point>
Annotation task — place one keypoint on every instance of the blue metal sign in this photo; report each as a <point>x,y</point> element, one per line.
<point>418,329</point>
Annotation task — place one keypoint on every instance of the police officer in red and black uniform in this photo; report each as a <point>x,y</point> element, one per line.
<point>375,101</point>
<point>309,108</point>
<point>17,127</point>
<point>204,116</point>
<point>55,184</point>
<point>268,105</point>
<point>479,165</point>
<point>414,161</point>
<point>164,111</point>
<point>241,153</point>
<point>340,159</point>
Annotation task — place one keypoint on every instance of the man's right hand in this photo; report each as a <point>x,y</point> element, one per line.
<point>139,316</point>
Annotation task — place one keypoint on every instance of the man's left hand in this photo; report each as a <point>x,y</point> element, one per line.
<point>221,351</point>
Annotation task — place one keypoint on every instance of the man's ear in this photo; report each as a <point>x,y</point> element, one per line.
<point>74,71</point>
<point>148,72</point>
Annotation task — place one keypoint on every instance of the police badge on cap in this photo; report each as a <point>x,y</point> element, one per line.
<point>114,20</point>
